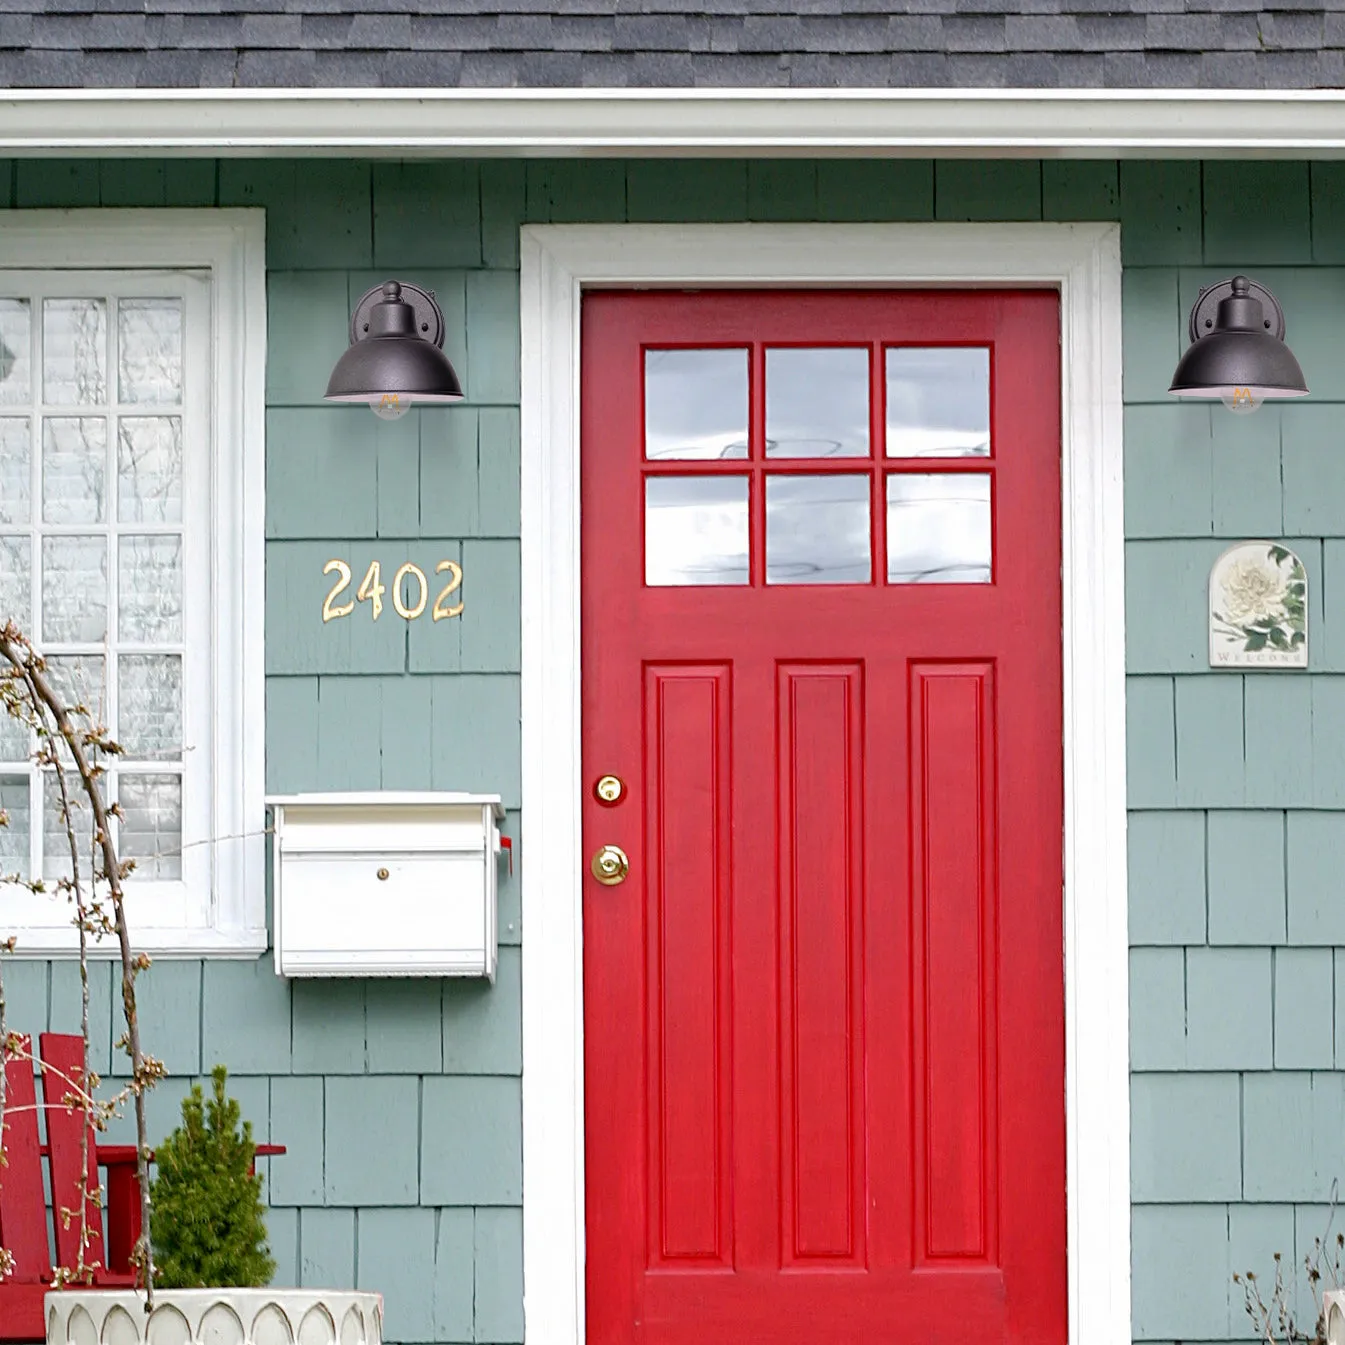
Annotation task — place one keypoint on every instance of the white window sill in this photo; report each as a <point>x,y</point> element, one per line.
<point>64,942</point>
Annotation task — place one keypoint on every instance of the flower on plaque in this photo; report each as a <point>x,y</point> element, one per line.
<point>1258,608</point>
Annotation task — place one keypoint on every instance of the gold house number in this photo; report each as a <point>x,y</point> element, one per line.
<point>371,590</point>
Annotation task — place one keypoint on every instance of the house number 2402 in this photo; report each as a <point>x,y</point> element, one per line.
<point>371,590</point>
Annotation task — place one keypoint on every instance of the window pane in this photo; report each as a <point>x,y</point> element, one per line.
<point>695,403</point>
<point>938,529</point>
<point>14,843</point>
<point>817,530</point>
<point>149,470</point>
<point>16,458</point>
<point>938,402</point>
<point>80,683</point>
<point>149,588</point>
<point>695,530</point>
<point>16,571</point>
<point>16,357</point>
<point>817,403</point>
<point>151,827</point>
<point>149,344</point>
<point>56,837</point>
<point>74,589</point>
<point>74,351</point>
<point>149,707</point>
<point>74,464</point>
<point>15,744</point>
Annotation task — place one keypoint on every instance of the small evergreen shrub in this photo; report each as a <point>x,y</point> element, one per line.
<point>206,1216</point>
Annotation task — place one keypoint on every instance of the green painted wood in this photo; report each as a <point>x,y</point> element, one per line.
<point>1228,1009</point>
<point>327,1020</point>
<point>1161,222</point>
<point>1255,1234</point>
<point>482,1023</point>
<point>1257,213</point>
<point>395,1257</point>
<point>449,472</point>
<point>492,338</point>
<point>498,472</point>
<point>1000,189</point>
<point>65,1012</point>
<point>253,1096</point>
<point>1314,473</point>
<point>56,183</point>
<point>1326,639</point>
<point>318,211</point>
<point>782,189</point>
<point>471,1149</point>
<point>1167,610</point>
<point>1151,765</point>
<point>503,204</point>
<point>491,592</point>
<point>576,191</point>
<point>296,1113</point>
<point>357,1171</point>
<point>1247,487</point>
<point>397,466</point>
<point>1157,1009</point>
<point>498,1282</point>
<point>322,472</point>
<point>26,996</point>
<point>326,1248</point>
<point>1167,878</point>
<point>1169,470</point>
<point>1185,1143</point>
<point>282,1230</point>
<point>1327,187</point>
<point>402,1030</point>
<point>168,1006</point>
<point>1080,189</point>
<point>291,734</point>
<point>245,1016</point>
<point>686,191</point>
<point>427,214</point>
<point>349,718</point>
<point>452,1290</point>
<point>308,330</point>
<point>1293,1127</point>
<point>436,646</point>
<point>8,168</point>
<point>859,190</point>
<point>406,706</point>
<point>1153,333</point>
<point>1338,958</point>
<point>163,1106</point>
<point>1179,1297</point>
<point>132,182</point>
<point>1211,769</point>
<point>1314,844</point>
<point>1278,712</point>
<point>475,735</point>
<point>1328,726</point>
<point>191,182</point>
<point>1247,903</point>
<point>1304,1008</point>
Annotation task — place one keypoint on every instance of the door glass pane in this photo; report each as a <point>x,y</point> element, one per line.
<point>938,528</point>
<point>149,706</point>
<point>16,571</point>
<point>16,345</point>
<point>149,350</point>
<point>817,403</point>
<point>74,589</point>
<point>15,468</point>
<point>15,743</point>
<point>938,402</point>
<point>149,469</point>
<point>695,403</point>
<point>695,530</point>
<point>149,588</point>
<point>74,351</point>
<point>74,463</point>
<point>817,530</point>
<point>55,836</point>
<point>78,680</point>
<point>14,801</point>
<point>151,827</point>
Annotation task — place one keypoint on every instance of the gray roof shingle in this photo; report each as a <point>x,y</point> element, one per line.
<point>671,43</point>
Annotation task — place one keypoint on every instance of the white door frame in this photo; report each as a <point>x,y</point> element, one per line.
<point>1083,262</point>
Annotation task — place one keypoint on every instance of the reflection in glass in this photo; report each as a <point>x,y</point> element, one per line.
<point>149,706</point>
<point>16,571</point>
<point>55,841</point>
<point>14,800</point>
<point>151,828</point>
<point>149,350</point>
<point>695,403</point>
<point>817,530</point>
<point>149,588</point>
<point>74,464</point>
<point>74,589</point>
<point>16,459</point>
<point>817,403</point>
<point>938,401</point>
<point>149,469</point>
<point>79,681</point>
<point>74,351</point>
<point>938,528</point>
<point>16,360</point>
<point>695,530</point>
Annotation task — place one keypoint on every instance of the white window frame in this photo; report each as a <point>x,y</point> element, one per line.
<point>220,256</point>
<point>1083,263</point>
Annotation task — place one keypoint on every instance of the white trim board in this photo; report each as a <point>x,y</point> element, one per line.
<point>397,123</point>
<point>1083,261</point>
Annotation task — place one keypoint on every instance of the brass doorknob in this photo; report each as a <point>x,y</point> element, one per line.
<point>610,865</point>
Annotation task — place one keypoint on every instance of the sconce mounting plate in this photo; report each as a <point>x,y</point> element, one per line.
<point>1206,308</point>
<point>429,317</point>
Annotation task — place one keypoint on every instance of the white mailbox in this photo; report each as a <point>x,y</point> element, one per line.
<point>385,884</point>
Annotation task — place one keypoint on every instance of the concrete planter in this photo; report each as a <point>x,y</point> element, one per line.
<point>215,1317</point>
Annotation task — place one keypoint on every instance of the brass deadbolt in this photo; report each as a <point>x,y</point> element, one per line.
<point>610,865</point>
<point>609,790</point>
<point>383,875</point>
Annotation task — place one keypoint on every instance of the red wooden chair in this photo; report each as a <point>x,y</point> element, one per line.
<point>23,1208</point>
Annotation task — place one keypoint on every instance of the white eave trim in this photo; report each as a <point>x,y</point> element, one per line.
<point>1082,123</point>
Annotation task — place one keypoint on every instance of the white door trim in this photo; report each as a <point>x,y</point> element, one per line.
<point>1083,261</point>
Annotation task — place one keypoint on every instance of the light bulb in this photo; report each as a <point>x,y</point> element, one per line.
<point>390,406</point>
<point>1241,402</point>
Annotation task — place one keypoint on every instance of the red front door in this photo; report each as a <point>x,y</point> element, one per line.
<point>824,1013</point>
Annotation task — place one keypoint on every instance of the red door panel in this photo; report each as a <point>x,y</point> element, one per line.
<point>824,1014</point>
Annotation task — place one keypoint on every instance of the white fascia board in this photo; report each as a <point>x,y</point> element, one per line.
<point>1080,123</point>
